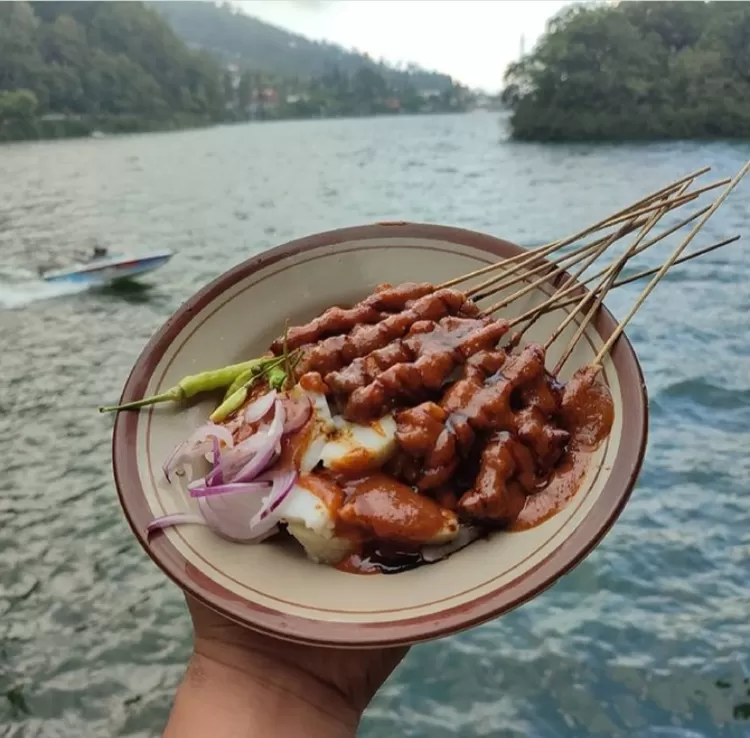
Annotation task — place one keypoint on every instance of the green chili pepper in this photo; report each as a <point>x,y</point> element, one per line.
<point>234,402</point>
<point>274,374</point>
<point>277,377</point>
<point>192,385</point>
<point>242,380</point>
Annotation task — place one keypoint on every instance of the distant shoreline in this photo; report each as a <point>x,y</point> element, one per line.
<point>77,128</point>
<point>58,128</point>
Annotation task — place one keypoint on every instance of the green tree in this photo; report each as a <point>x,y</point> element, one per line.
<point>20,105</point>
<point>20,60</point>
<point>635,70</point>
<point>106,59</point>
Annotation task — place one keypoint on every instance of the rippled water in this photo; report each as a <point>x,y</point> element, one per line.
<point>650,636</point>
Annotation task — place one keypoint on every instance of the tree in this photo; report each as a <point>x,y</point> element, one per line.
<point>635,70</point>
<point>20,105</point>
<point>101,58</point>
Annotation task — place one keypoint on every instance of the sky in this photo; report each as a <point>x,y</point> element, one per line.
<point>472,40</point>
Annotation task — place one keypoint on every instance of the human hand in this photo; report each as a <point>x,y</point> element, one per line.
<point>313,690</point>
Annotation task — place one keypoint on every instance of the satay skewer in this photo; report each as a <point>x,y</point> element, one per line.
<point>648,244</point>
<point>658,276</point>
<point>514,263</point>
<point>551,268</point>
<point>557,262</point>
<point>532,257</point>
<point>542,251</point>
<point>570,284</point>
<point>634,277</point>
<point>610,274</point>
<point>666,266</point>
<point>609,278</point>
<point>570,288</point>
<point>577,254</point>
<point>588,261</point>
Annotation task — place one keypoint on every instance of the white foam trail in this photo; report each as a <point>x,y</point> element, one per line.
<point>20,294</point>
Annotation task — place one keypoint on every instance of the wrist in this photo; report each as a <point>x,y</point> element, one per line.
<point>234,694</point>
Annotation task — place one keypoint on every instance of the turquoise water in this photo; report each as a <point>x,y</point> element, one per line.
<point>650,636</point>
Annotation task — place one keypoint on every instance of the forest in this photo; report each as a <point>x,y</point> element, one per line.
<point>235,37</point>
<point>73,68</point>
<point>77,64</point>
<point>635,71</point>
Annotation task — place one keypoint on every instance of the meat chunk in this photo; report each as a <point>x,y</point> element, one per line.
<point>498,495</point>
<point>338,320</point>
<point>335,352</point>
<point>390,511</point>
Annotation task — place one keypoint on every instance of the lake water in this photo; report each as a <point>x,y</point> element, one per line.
<point>650,636</point>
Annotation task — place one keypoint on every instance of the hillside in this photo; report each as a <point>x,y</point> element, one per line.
<point>259,46</point>
<point>64,62</point>
<point>73,68</point>
<point>651,70</point>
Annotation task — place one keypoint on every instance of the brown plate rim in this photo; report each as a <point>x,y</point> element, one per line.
<point>570,553</point>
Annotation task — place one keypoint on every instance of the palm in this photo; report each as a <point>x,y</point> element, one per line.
<point>354,674</point>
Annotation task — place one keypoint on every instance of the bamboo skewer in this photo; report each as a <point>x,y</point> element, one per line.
<point>571,278</point>
<point>570,283</point>
<point>606,222</point>
<point>667,264</point>
<point>605,284</point>
<point>559,294</point>
<point>681,200</point>
<point>640,275</point>
<point>541,267</point>
<point>640,249</point>
<point>665,207</point>
<point>552,267</point>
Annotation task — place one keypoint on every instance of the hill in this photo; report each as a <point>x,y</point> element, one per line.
<point>71,68</point>
<point>68,66</point>
<point>636,71</point>
<point>230,34</point>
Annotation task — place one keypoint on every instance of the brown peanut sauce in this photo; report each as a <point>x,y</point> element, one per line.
<point>588,415</point>
<point>386,509</point>
<point>389,522</point>
<point>386,520</point>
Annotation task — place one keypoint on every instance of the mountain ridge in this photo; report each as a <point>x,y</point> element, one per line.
<point>236,37</point>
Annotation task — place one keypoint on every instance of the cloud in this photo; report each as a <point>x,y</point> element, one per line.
<point>313,5</point>
<point>472,40</point>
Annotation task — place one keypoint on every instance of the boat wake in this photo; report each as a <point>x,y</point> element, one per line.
<point>15,294</point>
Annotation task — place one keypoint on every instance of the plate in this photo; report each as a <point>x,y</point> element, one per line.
<point>273,588</point>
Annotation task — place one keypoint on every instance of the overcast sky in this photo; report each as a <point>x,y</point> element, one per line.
<point>472,40</point>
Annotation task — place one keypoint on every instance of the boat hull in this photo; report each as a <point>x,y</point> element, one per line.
<point>109,270</point>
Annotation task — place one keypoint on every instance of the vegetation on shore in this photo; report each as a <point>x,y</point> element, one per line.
<point>236,38</point>
<point>73,68</point>
<point>68,67</point>
<point>656,70</point>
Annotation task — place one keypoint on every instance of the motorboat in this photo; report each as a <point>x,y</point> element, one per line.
<point>108,268</point>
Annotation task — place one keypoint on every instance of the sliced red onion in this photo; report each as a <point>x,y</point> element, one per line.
<point>226,515</point>
<point>256,410</point>
<point>197,444</point>
<point>165,521</point>
<point>298,412</point>
<point>201,490</point>
<point>283,481</point>
<point>232,460</point>
<point>267,451</point>
<point>229,516</point>
<point>466,534</point>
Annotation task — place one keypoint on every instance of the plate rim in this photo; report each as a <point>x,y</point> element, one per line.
<point>571,552</point>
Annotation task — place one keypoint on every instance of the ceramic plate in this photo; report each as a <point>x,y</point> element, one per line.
<point>272,587</point>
